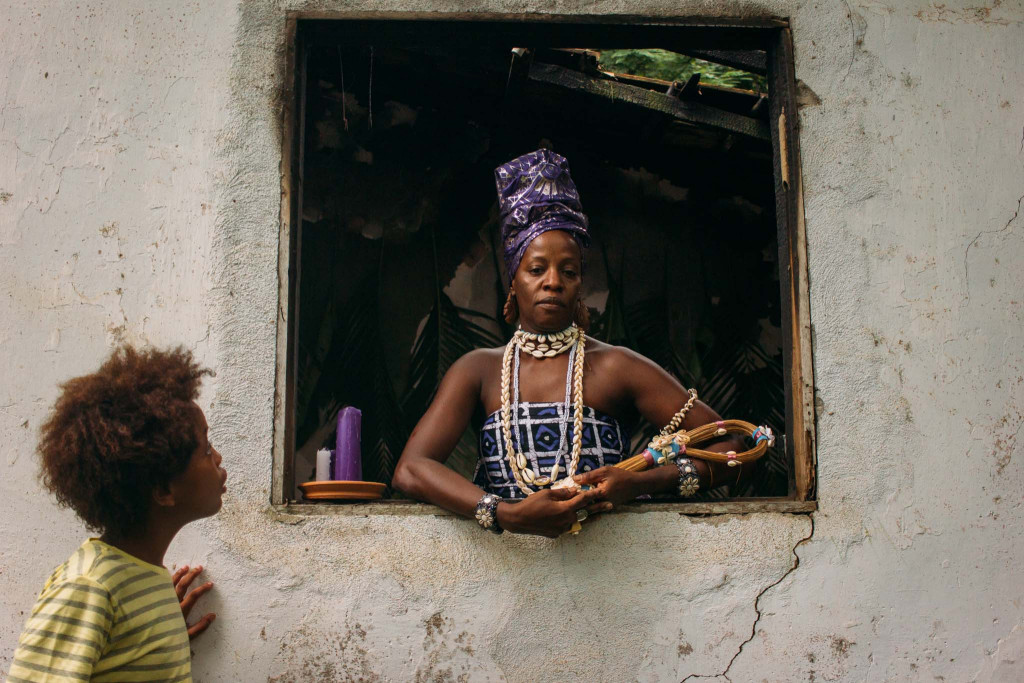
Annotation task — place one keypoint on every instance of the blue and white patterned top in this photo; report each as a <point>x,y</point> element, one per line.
<point>544,434</point>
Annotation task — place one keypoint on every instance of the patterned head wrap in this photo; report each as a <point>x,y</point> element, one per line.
<point>536,194</point>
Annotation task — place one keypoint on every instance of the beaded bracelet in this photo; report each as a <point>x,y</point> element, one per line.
<point>487,513</point>
<point>689,480</point>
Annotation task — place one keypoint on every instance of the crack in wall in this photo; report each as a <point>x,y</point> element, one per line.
<point>967,271</point>
<point>753,628</point>
<point>853,42</point>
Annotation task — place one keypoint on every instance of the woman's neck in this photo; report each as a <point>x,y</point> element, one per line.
<point>537,329</point>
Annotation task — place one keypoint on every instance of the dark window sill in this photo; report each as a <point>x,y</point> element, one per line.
<point>405,507</point>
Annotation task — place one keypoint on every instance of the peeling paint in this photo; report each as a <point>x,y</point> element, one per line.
<point>940,12</point>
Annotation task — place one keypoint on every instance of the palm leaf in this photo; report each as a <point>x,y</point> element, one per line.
<point>448,333</point>
<point>342,374</point>
<point>648,319</point>
<point>385,427</point>
<point>738,379</point>
<point>500,290</point>
<point>743,382</point>
<point>311,362</point>
<point>610,326</point>
<point>354,372</point>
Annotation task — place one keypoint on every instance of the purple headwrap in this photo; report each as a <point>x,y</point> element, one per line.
<point>536,194</point>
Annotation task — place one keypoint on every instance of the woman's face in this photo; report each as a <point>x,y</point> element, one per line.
<point>547,283</point>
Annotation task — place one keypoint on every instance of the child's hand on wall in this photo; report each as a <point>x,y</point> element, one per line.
<point>182,579</point>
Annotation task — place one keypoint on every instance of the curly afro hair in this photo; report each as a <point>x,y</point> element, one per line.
<point>120,433</point>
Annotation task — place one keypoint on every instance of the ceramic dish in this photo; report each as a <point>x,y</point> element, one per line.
<point>342,490</point>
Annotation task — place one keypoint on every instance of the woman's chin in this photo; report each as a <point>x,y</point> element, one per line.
<point>551,319</point>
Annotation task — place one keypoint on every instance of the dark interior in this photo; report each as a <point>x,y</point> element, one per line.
<point>402,127</point>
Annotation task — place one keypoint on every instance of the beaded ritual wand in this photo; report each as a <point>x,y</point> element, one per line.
<point>670,444</point>
<point>667,447</point>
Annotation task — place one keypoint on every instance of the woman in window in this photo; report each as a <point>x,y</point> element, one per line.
<point>556,399</point>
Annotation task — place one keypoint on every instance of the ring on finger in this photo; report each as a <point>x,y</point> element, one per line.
<point>582,514</point>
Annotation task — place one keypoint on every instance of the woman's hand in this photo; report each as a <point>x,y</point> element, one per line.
<point>616,484</point>
<point>550,512</point>
<point>182,579</point>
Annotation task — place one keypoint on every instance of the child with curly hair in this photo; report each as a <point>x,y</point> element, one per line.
<point>127,449</point>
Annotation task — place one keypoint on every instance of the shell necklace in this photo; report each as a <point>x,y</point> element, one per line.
<point>542,346</point>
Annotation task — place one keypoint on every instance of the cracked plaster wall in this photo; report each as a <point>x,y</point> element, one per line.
<point>139,190</point>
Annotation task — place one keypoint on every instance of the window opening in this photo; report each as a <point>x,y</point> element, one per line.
<point>395,268</point>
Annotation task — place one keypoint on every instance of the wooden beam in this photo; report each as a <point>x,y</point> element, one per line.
<point>284,389</point>
<point>423,29</point>
<point>660,85</point>
<point>721,97</point>
<point>689,112</point>
<point>796,325</point>
<point>689,90</point>
<point>584,61</point>
<point>655,84</point>
<point>754,61</point>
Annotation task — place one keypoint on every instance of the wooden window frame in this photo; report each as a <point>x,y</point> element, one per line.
<point>772,35</point>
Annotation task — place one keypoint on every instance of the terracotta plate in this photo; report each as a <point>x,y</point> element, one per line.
<point>342,490</point>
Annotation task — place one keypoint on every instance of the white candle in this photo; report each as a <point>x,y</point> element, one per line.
<point>323,464</point>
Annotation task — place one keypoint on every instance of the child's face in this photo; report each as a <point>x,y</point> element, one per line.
<point>197,492</point>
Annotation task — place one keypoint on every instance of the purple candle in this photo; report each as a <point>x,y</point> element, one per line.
<point>348,457</point>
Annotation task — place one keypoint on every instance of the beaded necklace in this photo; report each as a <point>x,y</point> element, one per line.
<point>542,346</point>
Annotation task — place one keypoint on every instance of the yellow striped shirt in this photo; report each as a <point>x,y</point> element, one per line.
<point>104,616</point>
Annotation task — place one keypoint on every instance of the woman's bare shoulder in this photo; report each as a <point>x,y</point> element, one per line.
<point>617,356</point>
<point>484,355</point>
<point>478,361</point>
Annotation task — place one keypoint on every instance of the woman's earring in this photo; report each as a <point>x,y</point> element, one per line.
<point>582,315</point>
<point>511,309</point>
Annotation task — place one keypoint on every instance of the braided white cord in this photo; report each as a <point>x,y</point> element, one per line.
<point>677,419</point>
<point>577,417</point>
<point>519,466</point>
<point>506,418</point>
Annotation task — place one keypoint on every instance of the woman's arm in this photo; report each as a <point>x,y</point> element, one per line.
<point>421,474</point>
<point>658,397</point>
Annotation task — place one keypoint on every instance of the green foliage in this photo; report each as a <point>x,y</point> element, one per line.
<point>671,66</point>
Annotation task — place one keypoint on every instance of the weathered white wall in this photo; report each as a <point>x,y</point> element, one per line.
<point>139,190</point>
